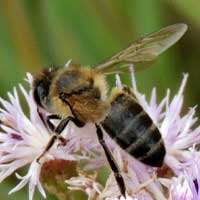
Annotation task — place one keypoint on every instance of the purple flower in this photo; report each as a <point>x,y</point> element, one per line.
<point>87,184</point>
<point>23,138</point>
<point>186,185</point>
<point>179,136</point>
<point>177,131</point>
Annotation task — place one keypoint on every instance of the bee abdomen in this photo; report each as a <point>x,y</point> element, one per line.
<point>132,128</point>
<point>142,139</point>
<point>155,156</point>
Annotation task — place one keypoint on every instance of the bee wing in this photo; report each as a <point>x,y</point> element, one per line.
<point>144,51</point>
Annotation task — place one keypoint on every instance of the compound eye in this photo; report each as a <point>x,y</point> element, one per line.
<point>36,97</point>
<point>40,95</point>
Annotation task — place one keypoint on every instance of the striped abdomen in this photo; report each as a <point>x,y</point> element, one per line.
<point>132,128</point>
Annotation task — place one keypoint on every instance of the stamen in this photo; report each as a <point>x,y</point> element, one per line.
<point>133,82</point>
<point>68,63</point>
<point>118,81</point>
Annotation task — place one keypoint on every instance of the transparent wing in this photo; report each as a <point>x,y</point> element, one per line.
<point>144,51</point>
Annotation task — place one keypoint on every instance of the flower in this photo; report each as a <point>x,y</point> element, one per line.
<point>179,136</point>
<point>23,139</point>
<point>177,131</point>
<point>186,185</point>
<point>86,183</point>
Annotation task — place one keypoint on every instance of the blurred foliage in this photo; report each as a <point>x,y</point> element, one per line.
<point>35,34</point>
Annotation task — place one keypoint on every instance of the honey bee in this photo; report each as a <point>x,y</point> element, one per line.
<point>79,94</point>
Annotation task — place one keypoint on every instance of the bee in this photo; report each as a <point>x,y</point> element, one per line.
<point>79,94</point>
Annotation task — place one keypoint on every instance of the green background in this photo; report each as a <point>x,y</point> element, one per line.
<point>36,34</point>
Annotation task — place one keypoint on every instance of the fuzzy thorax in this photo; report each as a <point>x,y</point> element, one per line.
<point>84,94</point>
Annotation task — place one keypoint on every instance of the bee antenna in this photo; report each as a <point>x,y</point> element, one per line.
<point>68,63</point>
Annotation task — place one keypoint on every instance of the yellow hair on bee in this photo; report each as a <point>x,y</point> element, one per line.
<point>85,91</point>
<point>117,91</point>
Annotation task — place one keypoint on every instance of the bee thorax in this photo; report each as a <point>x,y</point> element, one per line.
<point>80,92</point>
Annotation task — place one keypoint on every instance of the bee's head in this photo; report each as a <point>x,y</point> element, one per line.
<point>41,87</point>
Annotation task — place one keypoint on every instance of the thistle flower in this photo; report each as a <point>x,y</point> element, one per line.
<point>144,182</point>
<point>186,185</point>
<point>23,139</point>
<point>177,131</point>
<point>86,183</point>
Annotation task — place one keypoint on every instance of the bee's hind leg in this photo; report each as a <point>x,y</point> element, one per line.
<point>111,161</point>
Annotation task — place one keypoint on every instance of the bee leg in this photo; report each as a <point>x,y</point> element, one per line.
<point>111,161</point>
<point>57,131</point>
<point>61,126</point>
<point>49,123</point>
<point>49,145</point>
<point>52,127</point>
<point>41,116</point>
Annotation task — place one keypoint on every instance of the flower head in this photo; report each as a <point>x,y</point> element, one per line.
<point>186,185</point>
<point>23,139</point>
<point>179,136</point>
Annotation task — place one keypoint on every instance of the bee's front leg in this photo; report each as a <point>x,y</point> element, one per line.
<point>49,123</point>
<point>57,131</point>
